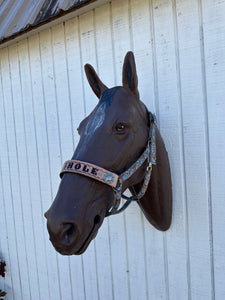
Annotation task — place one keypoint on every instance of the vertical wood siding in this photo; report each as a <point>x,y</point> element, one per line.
<point>179,47</point>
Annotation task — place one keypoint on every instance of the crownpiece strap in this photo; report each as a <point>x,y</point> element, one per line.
<point>90,170</point>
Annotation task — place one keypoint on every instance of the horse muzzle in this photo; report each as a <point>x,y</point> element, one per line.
<point>70,237</point>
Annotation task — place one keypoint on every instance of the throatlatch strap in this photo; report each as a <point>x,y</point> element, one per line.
<point>90,170</point>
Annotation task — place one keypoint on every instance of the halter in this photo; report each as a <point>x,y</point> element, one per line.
<point>114,180</point>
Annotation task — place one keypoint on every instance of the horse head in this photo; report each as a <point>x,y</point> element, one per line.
<point>113,154</point>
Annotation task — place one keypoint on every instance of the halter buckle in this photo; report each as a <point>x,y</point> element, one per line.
<point>149,167</point>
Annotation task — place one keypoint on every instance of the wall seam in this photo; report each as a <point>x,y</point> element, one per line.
<point>71,124</point>
<point>208,156</point>
<point>37,156</point>
<point>27,167</point>
<point>47,135</point>
<point>182,146</point>
<point>85,114</point>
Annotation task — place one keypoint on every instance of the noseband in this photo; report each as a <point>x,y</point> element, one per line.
<point>114,180</point>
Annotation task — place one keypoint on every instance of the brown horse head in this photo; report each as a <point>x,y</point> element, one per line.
<point>112,138</point>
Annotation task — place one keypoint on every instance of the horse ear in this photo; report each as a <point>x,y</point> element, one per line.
<point>95,83</point>
<point>130,79</point>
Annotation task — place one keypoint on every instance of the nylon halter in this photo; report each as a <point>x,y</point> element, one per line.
<point>114,180</point>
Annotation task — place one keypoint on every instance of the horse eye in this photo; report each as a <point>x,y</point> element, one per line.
<point>120,127</point>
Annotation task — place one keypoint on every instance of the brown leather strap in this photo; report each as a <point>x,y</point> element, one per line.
<point>90,170</point>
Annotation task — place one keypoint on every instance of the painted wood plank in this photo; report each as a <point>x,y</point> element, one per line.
<point>23,171</point>
<point>144,55</point>
<point>6,282</point>
<point>213,44</point>
<point>62,90</point>
<point>13,170</point>
<point>118,233</point>
<point>88,55</point>
<point>195,150</point>
<point>120,35</point>
<point>64,127</point>
<point>34,199</point>
<point>137,271</point>
<point>75,75</point>
<point>176,239</point>
<point>142,41</point>
<point>103,41</point>
<point>8,245</point>
<point>77,114</point>
<point>41,80</point>
<point>104,44</point>
<point>51,46</point>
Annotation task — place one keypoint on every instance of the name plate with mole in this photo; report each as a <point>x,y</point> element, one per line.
<point>90,170</point>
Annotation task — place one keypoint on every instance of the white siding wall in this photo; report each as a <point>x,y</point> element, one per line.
<point>179,47</point>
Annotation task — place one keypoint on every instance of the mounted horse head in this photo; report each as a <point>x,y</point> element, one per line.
<point>120,147</point>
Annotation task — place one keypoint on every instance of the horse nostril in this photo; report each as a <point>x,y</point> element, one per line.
<point>97,219</point>
<point>69,231</point>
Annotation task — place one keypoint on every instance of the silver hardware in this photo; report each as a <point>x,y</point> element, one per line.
<point>149,167</point>
<point>108,178</point>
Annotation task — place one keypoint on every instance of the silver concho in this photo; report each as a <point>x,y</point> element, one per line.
<point>108,178</point>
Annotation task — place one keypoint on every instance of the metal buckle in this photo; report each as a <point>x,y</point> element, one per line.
<point>149,167</point>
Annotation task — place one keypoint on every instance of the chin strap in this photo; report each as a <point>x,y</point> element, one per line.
<point>114,180</point>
